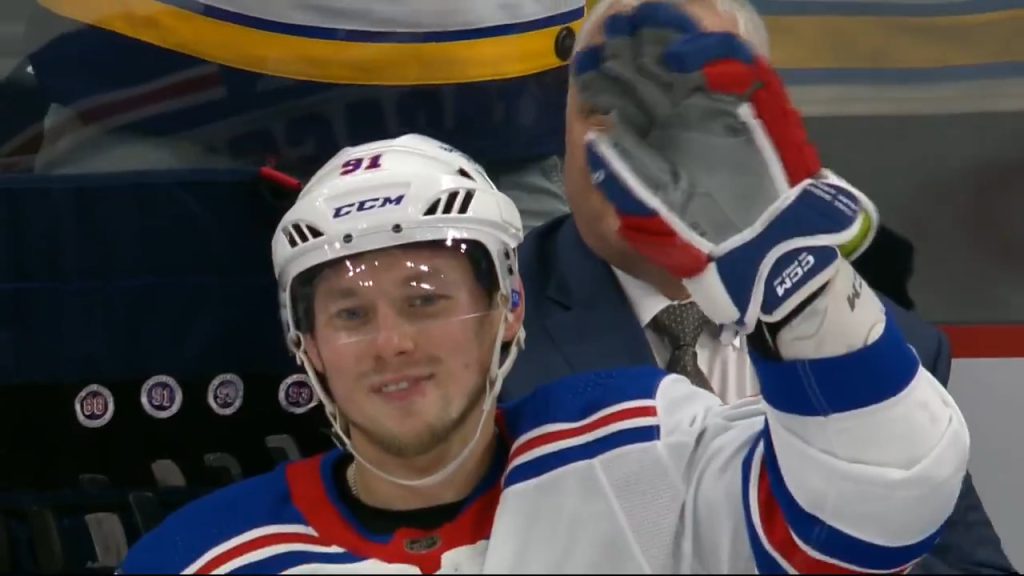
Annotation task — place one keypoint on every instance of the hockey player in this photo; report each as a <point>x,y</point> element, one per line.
<point>401,298</point>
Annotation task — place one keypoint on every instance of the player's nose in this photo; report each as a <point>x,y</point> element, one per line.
<point>395,336</point>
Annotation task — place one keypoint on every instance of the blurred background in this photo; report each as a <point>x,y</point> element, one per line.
<point>141,356</point>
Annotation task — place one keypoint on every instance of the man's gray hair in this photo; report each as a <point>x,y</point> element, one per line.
<point>751,26</point>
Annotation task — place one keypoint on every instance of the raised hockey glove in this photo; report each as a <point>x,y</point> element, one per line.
<point>710,168</point>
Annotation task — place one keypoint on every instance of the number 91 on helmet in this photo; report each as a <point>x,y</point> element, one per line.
<point>396,269</point>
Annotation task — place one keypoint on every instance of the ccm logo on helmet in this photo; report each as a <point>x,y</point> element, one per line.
<point>367,204</point>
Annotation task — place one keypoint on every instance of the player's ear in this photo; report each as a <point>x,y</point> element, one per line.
<point>515,311</point>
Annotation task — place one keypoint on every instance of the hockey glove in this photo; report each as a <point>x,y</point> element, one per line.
<point>710,168</point>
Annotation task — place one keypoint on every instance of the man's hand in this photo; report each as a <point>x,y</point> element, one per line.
<point>710,168</point>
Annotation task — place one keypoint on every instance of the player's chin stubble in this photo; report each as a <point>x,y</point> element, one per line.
<point>434,436</point>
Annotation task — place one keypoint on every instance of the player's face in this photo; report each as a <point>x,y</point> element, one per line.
<point>595,217</point>
<point>404,337</point>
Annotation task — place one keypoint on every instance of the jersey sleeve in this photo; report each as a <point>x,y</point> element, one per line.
<point>215,532</point>
<point>848,464</point>
<point>181,539</point>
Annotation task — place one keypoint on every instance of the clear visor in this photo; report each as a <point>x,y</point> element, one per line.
<point>427,290</point>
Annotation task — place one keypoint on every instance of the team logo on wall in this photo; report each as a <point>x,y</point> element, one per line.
<point>296,394</point>
<point>224,394</point>
<point>94,406</point>
<point>161,396</point>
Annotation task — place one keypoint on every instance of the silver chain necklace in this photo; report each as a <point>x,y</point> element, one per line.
<point>350,477</point>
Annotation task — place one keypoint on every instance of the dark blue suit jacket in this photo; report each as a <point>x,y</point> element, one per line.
<point>578,319</point>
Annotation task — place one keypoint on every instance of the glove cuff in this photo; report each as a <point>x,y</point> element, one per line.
<point>870,223</point>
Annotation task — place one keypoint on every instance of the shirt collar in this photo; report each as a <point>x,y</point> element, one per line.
<point>645,299</point>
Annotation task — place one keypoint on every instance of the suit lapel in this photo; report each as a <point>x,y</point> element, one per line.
<point>587,315</point>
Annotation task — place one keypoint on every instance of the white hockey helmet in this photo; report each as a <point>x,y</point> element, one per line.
<point>388,193</point>
<point>392,192</point>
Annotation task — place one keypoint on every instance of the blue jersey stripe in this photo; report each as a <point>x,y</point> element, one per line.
<point>589,450</point>
<point>578,397</point>
<point>839,384</point>
<point>763,559</point>
<point>830,541</point>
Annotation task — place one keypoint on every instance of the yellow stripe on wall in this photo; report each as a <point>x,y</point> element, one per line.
<point>896,42</point>
<point>319,60</point>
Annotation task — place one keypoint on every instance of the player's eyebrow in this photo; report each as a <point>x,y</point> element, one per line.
<point>429,278</point>
<point>335,293</point>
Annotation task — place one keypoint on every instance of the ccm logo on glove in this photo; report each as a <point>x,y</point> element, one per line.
<point>803,264</point>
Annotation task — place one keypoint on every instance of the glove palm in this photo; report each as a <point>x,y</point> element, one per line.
<point>710,168</point>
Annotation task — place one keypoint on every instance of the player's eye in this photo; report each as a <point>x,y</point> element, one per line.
<point>350,314</point>
<point>426,300</point>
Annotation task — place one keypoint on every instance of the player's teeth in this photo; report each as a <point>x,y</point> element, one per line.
<point>395,387</point>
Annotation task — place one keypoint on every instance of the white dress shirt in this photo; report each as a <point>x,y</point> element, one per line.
<point>726,364</point>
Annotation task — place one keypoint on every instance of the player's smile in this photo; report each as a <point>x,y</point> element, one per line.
<point>403,387</point>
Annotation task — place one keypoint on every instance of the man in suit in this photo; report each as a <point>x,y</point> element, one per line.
<point>597,304</point>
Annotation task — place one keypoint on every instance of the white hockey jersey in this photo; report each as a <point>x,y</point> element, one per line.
<point>847,464</point>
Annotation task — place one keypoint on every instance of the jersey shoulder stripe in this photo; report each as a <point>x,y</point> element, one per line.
<point>297,560</point>
<point>254,545</point>
<point>221,527</point>
<point>580,417</point>
<point>629,431</point>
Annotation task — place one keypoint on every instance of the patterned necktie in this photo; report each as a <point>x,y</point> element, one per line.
<point>680,325</point>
